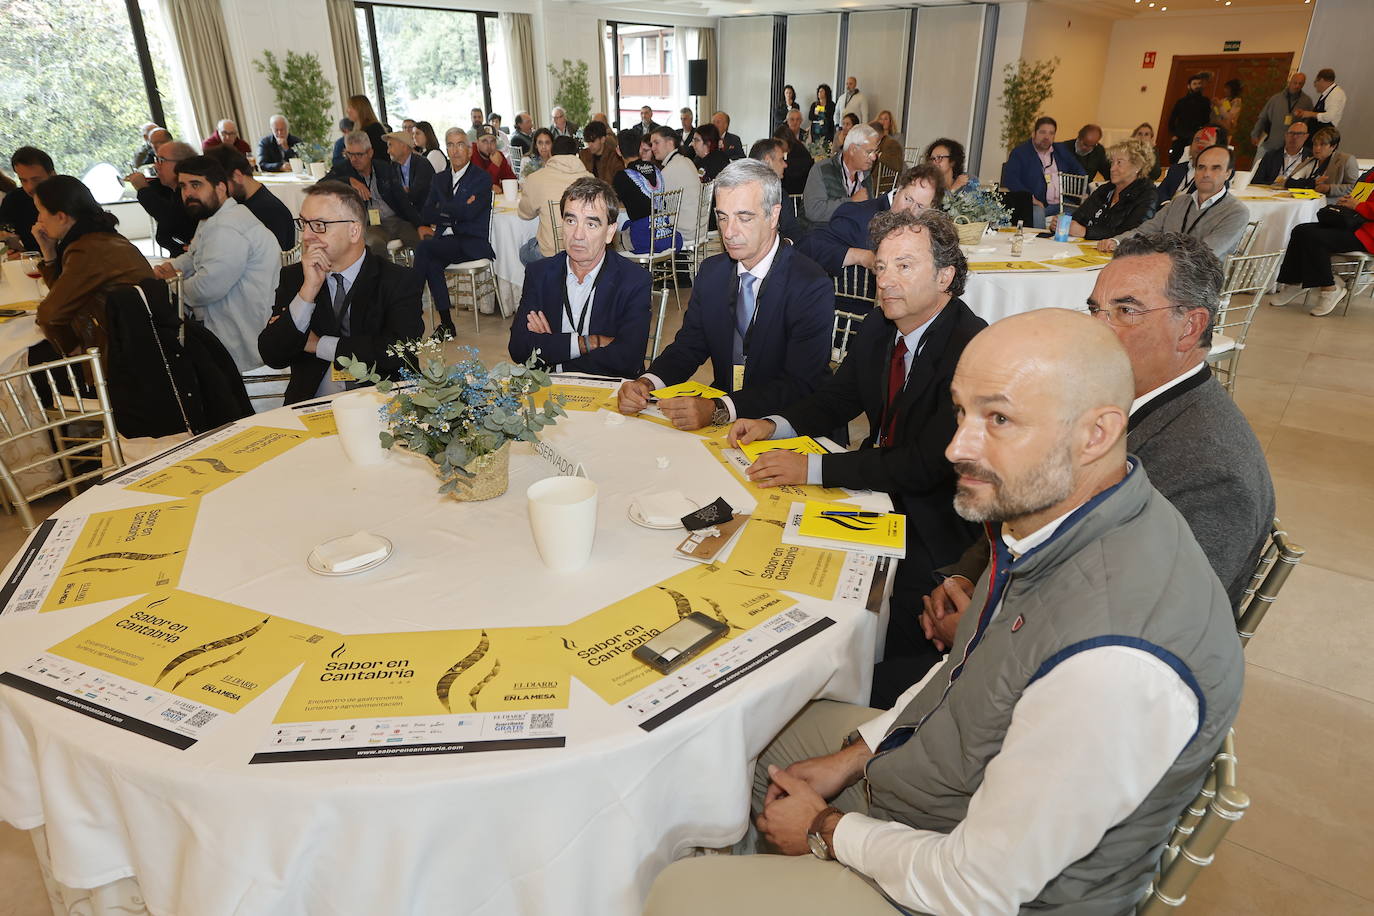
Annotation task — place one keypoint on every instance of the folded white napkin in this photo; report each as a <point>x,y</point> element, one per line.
<point>349,553</point>
<point>666,508</point>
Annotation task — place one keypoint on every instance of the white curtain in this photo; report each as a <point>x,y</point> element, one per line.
<point>684,48</point>
<point>348,61</point>
<point>601,100</point>
<point>706,50</point>
<point>518,30</point>
<point>204,46</point>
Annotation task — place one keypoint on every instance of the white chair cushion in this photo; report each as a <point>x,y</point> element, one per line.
<point>470,265</point>
<point>1221,344</point>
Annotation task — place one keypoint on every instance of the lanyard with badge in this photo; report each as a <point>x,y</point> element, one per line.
<point>579,323</point>
<point>374,207</point>
<point>737,379</point>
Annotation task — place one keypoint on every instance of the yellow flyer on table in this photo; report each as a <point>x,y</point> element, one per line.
<point>171,664</point>
<point>737,463</point>
<point>600,646</point>
<point>883,529</point>
<point>761,556</point>
<point>1305,194</point>
<point>443,691</point>
<point>1081,262</point>
<point>88,558</point>
<point>213,467</point>
<point>1360,193</point>
<point>578,397</point>
<point>802,445</point>
<point>319,420</point>
<point>688,390</point>
<point>1005,265</point>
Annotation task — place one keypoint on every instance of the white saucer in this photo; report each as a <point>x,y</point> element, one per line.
<point>318,569</point>
<point>633,513</point>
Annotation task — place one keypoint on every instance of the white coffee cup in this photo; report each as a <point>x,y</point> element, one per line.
<point>297,165</point>
<point>318,170</point>
<point>358,416</point>
<point>563,519</point>
<point>510,188</point>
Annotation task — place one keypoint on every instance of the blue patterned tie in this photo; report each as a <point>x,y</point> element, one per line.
<point>743,315</point>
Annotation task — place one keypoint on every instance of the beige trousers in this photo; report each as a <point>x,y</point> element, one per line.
<point>747,885</point>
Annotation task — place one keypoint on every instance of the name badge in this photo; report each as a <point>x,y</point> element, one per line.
<point>738,382</point>
<point>374,216</point>
<point>1287,119</point>
<point>338,375</point>
<point>1048,176</point>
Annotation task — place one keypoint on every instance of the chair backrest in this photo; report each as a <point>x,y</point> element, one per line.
<point>856,282</point>
<point>1277,561</point>
<point>704,203</point>
<point>556,221</point>
<point>846,325</point>
<point>1252,275</point>
<point>656,331</point>
<point>1073,189</point>
<point>912,155</point>
<point>1247,238</point>
<point>666,205</point>
<point>798,205</point>
<point>884,178</point>
<point>24,396</point>
<point>1197,834</point>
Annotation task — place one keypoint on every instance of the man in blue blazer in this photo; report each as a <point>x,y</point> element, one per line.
<point>1033,167</point>
<point>456,222</point>
<point>845,239</point>
<point>761,313</point>
<point>586,309</point>
<point>390,213</point>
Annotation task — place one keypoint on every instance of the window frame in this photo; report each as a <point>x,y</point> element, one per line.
<point>145,62</point>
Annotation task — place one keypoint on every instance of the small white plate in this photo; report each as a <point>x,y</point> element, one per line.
<point>318,568</point>
<point>638,519</point>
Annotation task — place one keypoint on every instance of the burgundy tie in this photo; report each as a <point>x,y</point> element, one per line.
<point>896,380</point>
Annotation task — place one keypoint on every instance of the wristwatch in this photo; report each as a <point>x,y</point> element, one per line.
<point>819,847</point>
<point>721,415</point>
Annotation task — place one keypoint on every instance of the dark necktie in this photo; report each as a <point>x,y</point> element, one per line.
<point>339,295</point>
<point>896,380</point>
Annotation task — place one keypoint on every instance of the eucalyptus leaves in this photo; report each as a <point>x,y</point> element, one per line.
<point>455,414</point>
<point>973,204</point>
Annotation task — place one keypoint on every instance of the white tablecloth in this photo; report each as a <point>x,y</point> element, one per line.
<point>16,334</point>
<point>1280,215</point>
<point>508,234</point>
<point>289,188</point>
<point>994,296</point>
<point>582,829</point>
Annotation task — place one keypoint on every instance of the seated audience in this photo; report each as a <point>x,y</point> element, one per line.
<point>548,184</point>
<point>359,110</point>
<point>948,156</point>
<point>1189,434</point>
<point>561,126</point>
<point>1105,580</point>
<point>585,309</point>
<point>846,122</point>
<point>794,126</point>
<point>278,148</point>
<point>489,159</point>
<point>846,176</point>
<point>733,146</point>
<point>541,150</point>
<point>160,200</point>
<point>226,132</point>
<point>890,151</point>
<point>32,167</point>
<point>428,145</point>
<point>772,152</point>
<point>707,152</point>
<point>254,195</point>
<point>455,223</point>
<point>502,133</point>
<point>229,271</point>
<point>415,171</point>
<point>846,239</point>
<point>83,256</point>
<point>1210,213</point>
<point>148,150</point>
<point>338,158</point>
<point>760,313</point>
<point>799,159</point>
<point>1329,171</point>
<point>601,155</point>
<point>1087,149</point>
<point>1307,260</point>
<point>478,118</point>
<point>1283,162</point>
<point>1180,174</point>
<point>342,299</point>
<point>1122,203</point>
<point>646,123</point>
<point>679,173</point>
<point>390,213</point>
<point>634,186</point>
<point>1034,167</point>
<point>522,138</point>
<point>601,116</point>
<point>920,273</point>
<point>1146,134</point>
<point>687,131</point>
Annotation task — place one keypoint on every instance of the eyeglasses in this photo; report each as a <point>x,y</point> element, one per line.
<point>936,158</point>
<point>1123,316</point>
<point>1296,133</point>
<point>357,155</point>
<point>318,226</point>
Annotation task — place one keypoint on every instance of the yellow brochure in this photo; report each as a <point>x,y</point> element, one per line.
<point>802,445</point>
<point>217,653</point>
<point>122,552</point>
<point>600,646</point>
<point>213,467</point>
<point>885,530</point>
<point>761,556</point>
<point>688,390</point>
<point>1005,265</point>
<point>320,422</point>
<point>736,462</point>
<point>1360,193</point>
<point>578,397</point>
<point>1305,194</point>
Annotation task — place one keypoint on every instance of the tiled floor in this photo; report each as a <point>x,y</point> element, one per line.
<point>1305,737</point>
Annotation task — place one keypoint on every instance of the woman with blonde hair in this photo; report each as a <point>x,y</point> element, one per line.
<point>1123,203</point>
<point>360,111</point>
<point>890,152</point>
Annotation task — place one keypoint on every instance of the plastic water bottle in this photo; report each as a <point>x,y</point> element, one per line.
<point>1061,227</point>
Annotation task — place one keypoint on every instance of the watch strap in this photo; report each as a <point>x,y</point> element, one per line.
<point>818,823</point>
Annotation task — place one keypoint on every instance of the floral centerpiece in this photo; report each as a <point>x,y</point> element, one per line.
<point>974,209</point>
<point>462,417</point>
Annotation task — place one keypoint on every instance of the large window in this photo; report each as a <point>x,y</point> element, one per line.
<point>432,64</point>
<point>79,79</point>
<point>642,57</point>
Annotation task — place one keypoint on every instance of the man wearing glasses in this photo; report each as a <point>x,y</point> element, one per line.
<point>389,211</point>
<point>1209,213</point>
<point>1287,159</point>
<point>845,177</point>
<point>162,200</point>
<point>341,300</point>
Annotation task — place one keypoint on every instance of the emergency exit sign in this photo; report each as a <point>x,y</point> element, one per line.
<point>1231,46</point>
<point>1149,62</point>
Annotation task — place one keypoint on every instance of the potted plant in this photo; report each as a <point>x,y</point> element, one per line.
<point>973,210</point>
<point>1025,88</point>
<point>303,94</point>
<point>574,94</point>
<point>462,416</point>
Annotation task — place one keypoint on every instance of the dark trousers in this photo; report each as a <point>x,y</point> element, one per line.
<point>431,257</point>
<point>1310,247</point>
<point>907,654</point>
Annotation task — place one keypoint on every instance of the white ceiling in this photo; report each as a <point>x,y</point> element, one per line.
<point>1113,9</point>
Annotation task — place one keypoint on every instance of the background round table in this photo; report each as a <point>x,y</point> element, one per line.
<point>994,295</point>
<point>289,187</point>
<point>17,334</point>
<point>1280,214</point>
<point>508,234</point>
<point>580,829</point>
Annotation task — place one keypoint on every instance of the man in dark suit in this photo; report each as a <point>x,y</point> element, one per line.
<point>1179,177</point>
<point>733,146</point>
<point>161,200</point>
<point>1285,160</point>
<point>898,374</point>
<point>278,148</point>
<point>340,300</point>
<point>415,171</point>
<point>760,312</point>
<point>1186,430</point>
<point>845,240</point>
<point>390,212</point>
<point>585,309</point>
<point>455,224</point>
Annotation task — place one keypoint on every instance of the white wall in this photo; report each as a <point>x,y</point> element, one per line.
<point>1337,40</point>
<point>944,79</point>
<point>1080,41</point>
<point>876,57</point>
<point>746,42</point>
<point>813,53</point>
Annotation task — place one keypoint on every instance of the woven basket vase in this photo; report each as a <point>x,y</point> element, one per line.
<point>493,477</point>
<point>970,233</point>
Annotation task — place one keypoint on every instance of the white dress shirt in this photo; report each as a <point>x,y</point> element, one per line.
<point>457,177</point>
<point>325,348</point>
<point>1150,395</point>
<point>580,300</point>
<point>1335,106</point>
<point>1087,742</point>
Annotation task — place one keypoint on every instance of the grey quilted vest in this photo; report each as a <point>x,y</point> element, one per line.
<point>1123,570</point>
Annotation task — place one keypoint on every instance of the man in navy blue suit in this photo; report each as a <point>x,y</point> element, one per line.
<point>845,240</point>
<point>761,313</point>
<point>454,226</point>
<point>585,309</point>
<point>1034,167</point>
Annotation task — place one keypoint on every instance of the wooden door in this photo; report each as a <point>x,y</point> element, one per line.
<point>1260,75</point>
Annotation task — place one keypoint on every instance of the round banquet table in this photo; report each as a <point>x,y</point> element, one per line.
<point>17,334</point>
<point>1280,214</point>
<point>289,187</point>
<point>997,294</point>
<point>508,234</point>
<point>579,829</point>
